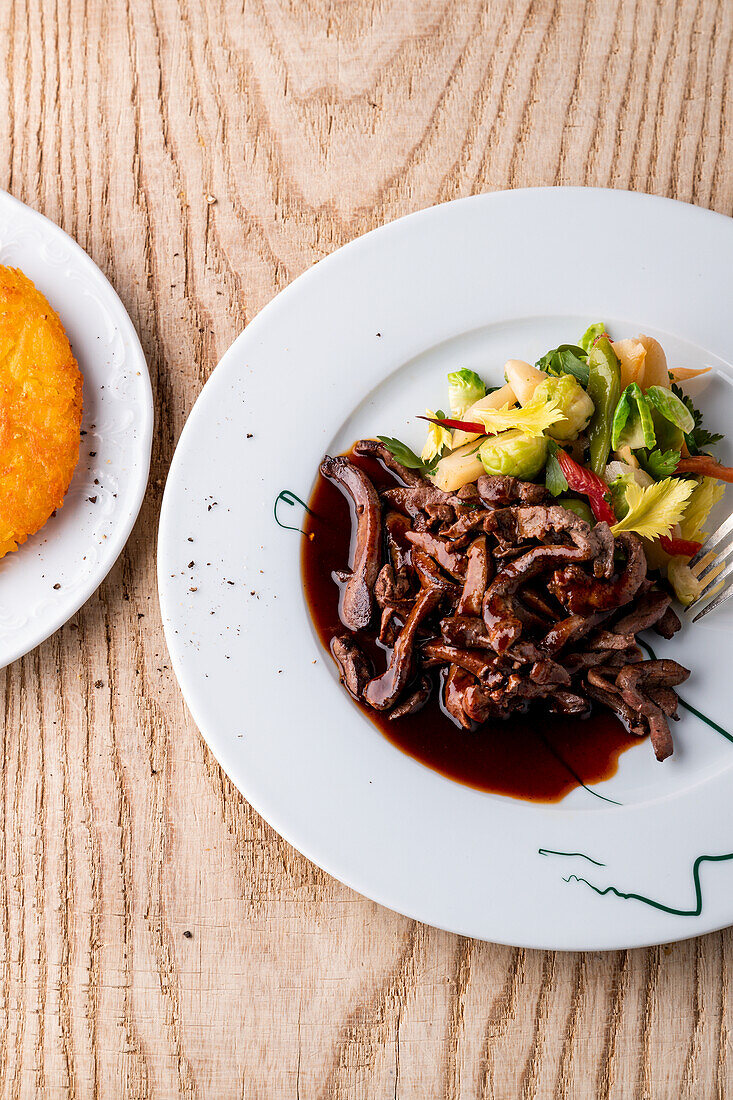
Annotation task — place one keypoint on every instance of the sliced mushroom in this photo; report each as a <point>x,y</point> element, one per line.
<point>357,603</point>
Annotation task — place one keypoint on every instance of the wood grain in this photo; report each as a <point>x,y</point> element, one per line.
<point>205,154</point>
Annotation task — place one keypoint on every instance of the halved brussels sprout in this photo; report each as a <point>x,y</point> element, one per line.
<point>633,425</point>
<point>671,408</point>
<point>668,435</point>
<point>466,388</point>
<point>514,453</point>
<point>572,400</point>
<point>578,506</point>
<point>591,334</point>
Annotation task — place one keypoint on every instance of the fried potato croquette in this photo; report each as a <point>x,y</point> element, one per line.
<point>40,410</point>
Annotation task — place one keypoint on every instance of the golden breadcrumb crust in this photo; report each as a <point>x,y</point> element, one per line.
<point>40,410</point>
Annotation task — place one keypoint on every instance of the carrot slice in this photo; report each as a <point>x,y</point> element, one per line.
<point>705,466</point>
<point>681,374</point>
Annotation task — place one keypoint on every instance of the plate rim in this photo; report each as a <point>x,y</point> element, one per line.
<point>228,762</point>
<point>122,528</point>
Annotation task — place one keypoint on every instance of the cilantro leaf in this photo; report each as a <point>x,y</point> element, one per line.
<point>699,437</point>
<point>555,480</point>
<point>659,464</point>
<point>565,359</point>
<point>406,455</point>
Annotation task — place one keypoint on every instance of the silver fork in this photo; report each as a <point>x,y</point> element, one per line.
<point>708,565</point>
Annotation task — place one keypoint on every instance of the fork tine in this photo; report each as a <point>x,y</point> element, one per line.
<point>707,560</point>
<point>716,581</point>
<point>711,573</point>
<point>725,529</point>
<point>724,595</point>
<point>715,561</point>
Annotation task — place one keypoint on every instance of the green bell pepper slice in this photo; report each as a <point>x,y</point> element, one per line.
<point>604,390</point>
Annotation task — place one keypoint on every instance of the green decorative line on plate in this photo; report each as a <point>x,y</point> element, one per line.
<point>603,891</point>
<point>673,910</point>
<point>579,855</point>
<point>292,499</point>
<point>708,721</point>
<point>561,759</point>
<point>688,706</point>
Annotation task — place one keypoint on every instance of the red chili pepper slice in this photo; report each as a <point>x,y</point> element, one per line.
<point>705,466</point>
<point>582,480</point>
<point>459,425</point>
<point>685,548</point>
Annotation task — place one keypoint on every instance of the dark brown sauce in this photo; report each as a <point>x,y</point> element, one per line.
<point>537,756</point>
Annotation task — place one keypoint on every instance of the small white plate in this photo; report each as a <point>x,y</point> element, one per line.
<point>357,346</point>
<point>51,575</point>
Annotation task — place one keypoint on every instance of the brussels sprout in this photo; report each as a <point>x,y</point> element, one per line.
<point>574,402</point>
<point>578,506</point>
<point>591,334</point>
<point>633,425</point>
<point>514,453</point>
<point>668,435</point>
<point>466,388</point>
<point>671,408</point>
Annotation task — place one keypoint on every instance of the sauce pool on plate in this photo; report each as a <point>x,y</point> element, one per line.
<point>535,756</point>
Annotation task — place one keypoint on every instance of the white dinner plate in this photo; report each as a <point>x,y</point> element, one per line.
<point>356,347</point>
<point>51,575</point>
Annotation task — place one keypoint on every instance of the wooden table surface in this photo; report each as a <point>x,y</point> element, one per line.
<point>157,938</point>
